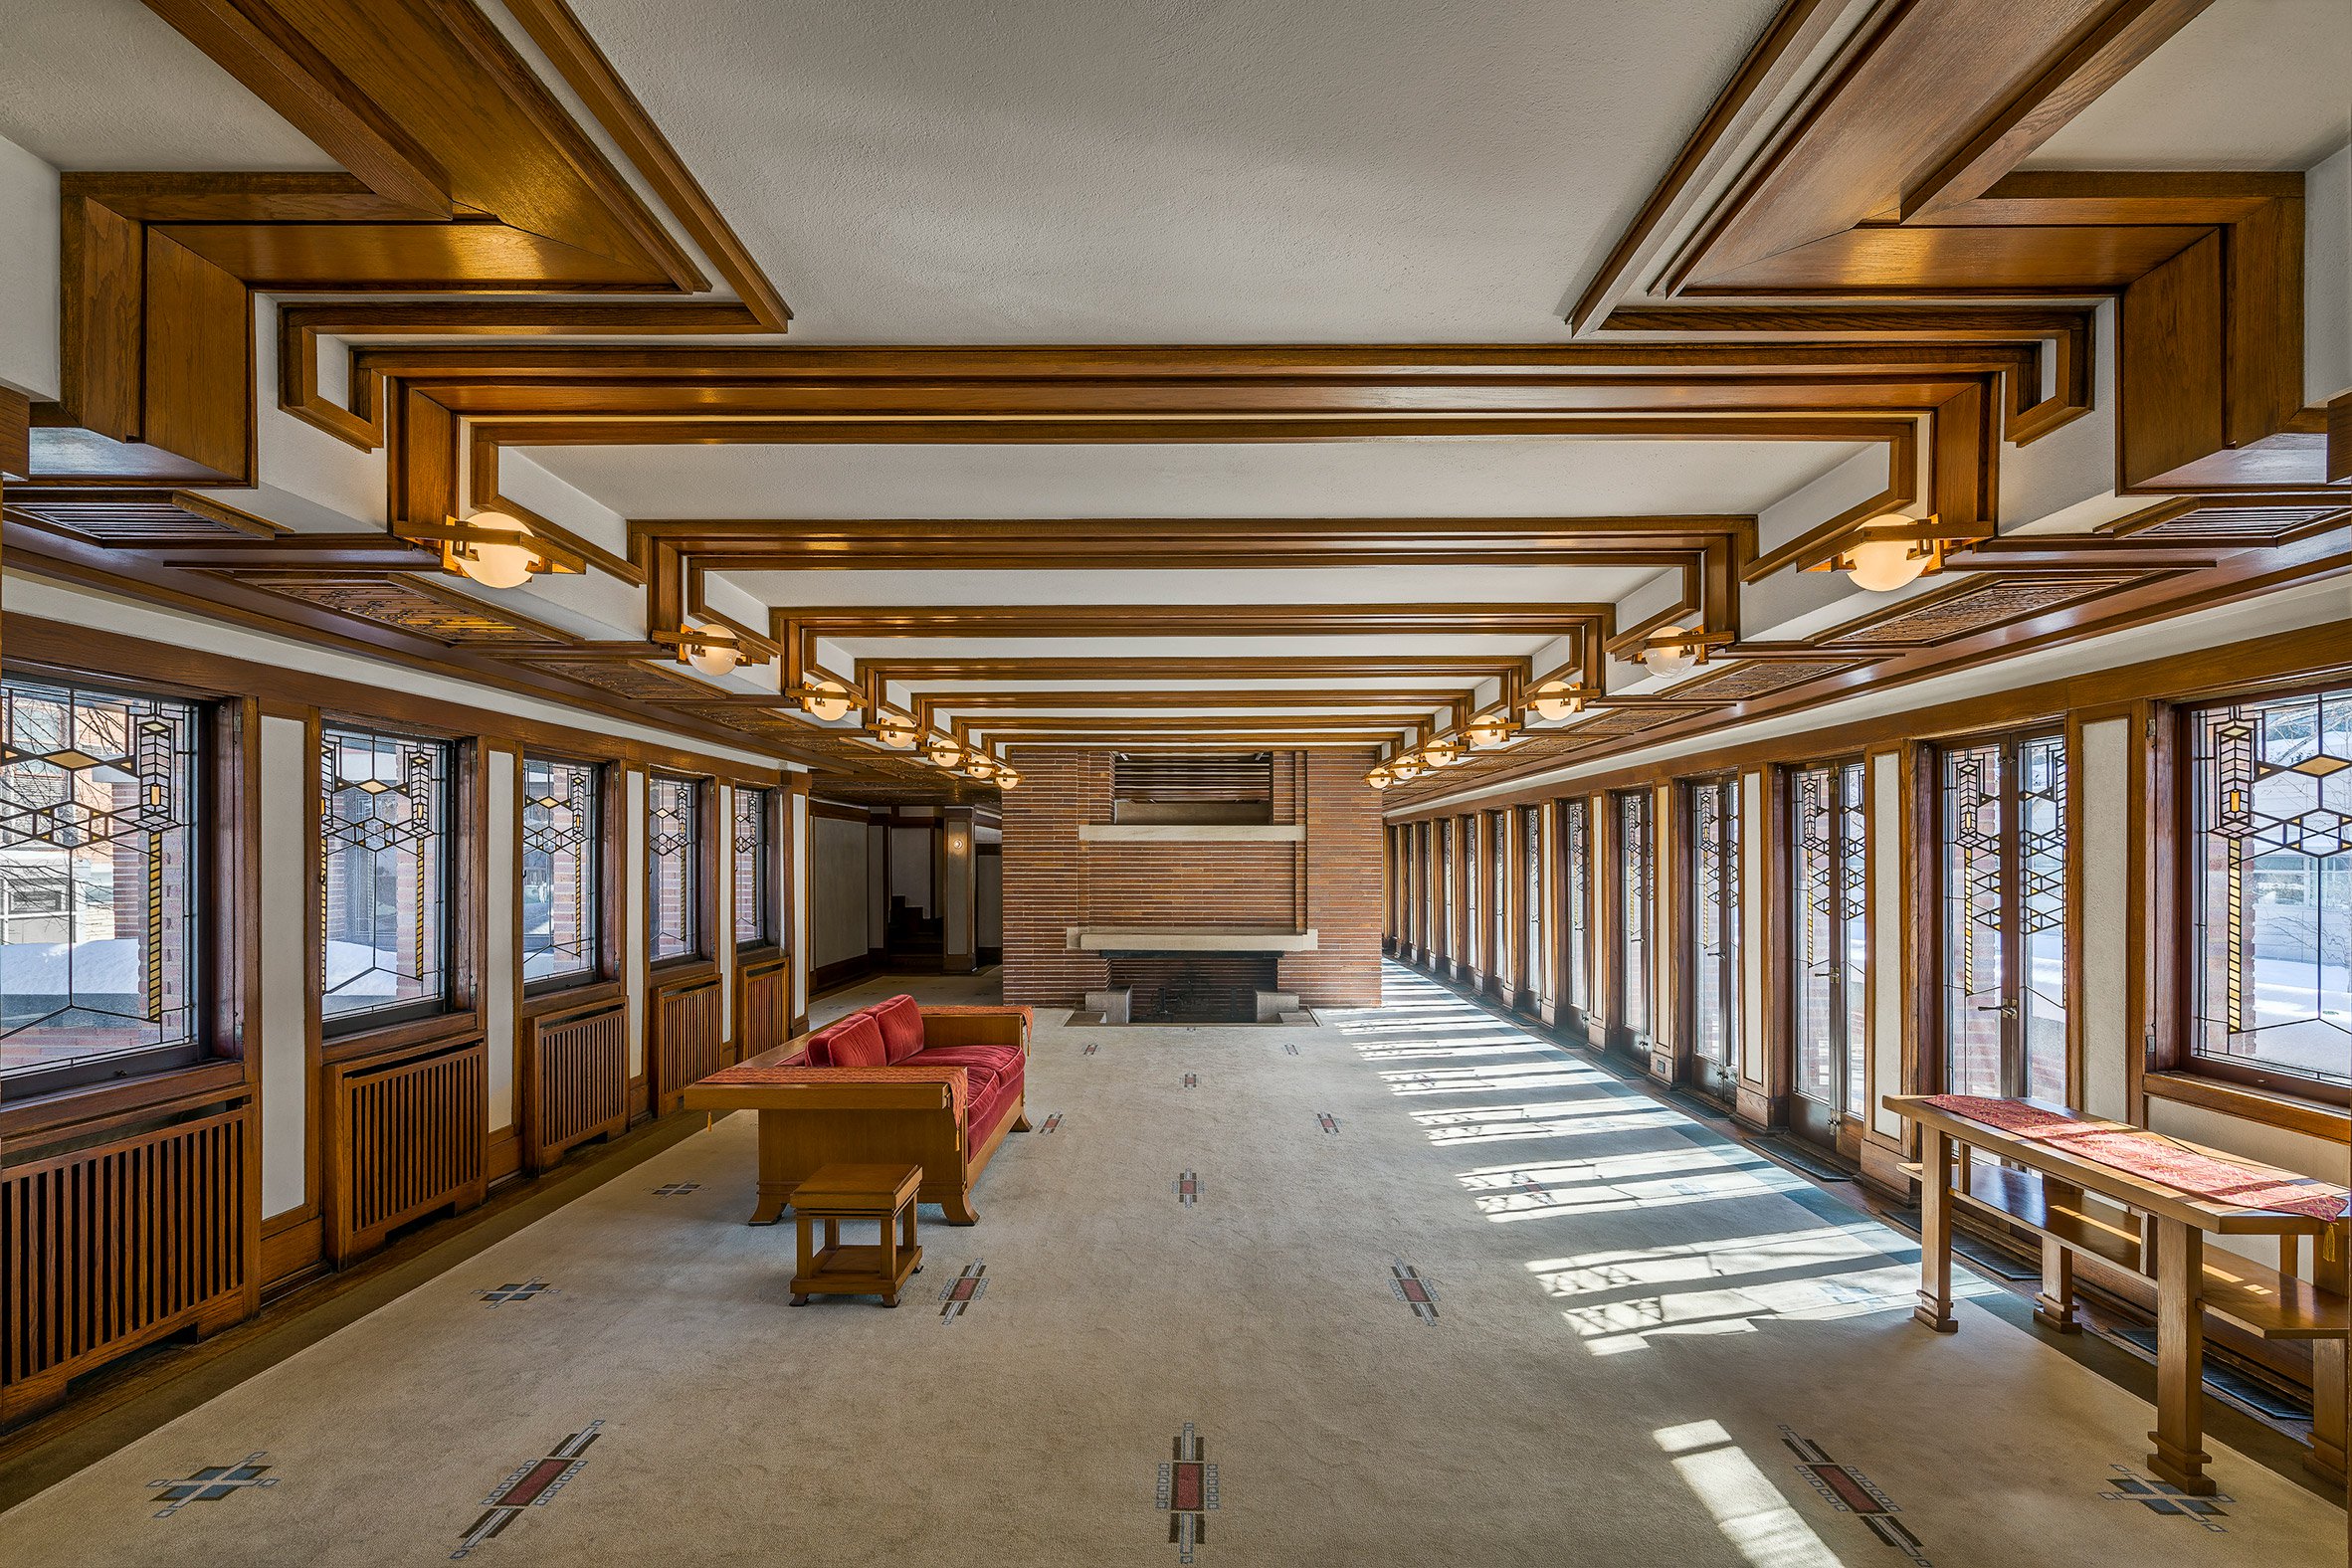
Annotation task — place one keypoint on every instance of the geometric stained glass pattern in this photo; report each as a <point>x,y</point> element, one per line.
<point>1715,914</point>
<point>561,862</point>
<point>2271,859</point>
<point>1634,867</point>
<point>749,844</point>
<point>674,858</point>
<point>2004,852</point>
<point>383,851</point>
<point>99,835</point>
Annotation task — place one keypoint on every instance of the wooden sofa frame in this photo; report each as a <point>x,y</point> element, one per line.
<point>913,1115</point>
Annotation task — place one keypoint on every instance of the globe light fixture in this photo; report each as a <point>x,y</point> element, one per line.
<point>1008,779</point>
<point>492,562</point>
<point>1445,752</point>
<point>942,751</point>
<point>1891,560</point>
<point>1380,777</point>
<point>1557,700</point>
<point>711,648</point>
<point>826,699</point>
<point>1406,768</point>
<point>895,731</point>
<point>1489,732</point>
<point>982,768</point>
<point>1666,657</point>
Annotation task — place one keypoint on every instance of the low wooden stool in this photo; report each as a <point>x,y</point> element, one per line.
<point>883,1194</point>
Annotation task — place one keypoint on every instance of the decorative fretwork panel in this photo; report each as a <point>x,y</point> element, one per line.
<point>1761,677</point>
<point>405,604</point>
<point>98,837</point>
<point>384,863</point>
<point>2272,867</point>
<point>1980,606</point>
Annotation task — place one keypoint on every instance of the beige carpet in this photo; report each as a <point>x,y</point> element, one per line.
<point>1633,1320</point>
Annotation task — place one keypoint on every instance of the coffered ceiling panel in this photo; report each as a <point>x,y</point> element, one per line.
<point>1071,171</point>
<point>1424,476</point>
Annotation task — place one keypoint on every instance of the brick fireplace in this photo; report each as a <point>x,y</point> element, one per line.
<point>1279,858</point>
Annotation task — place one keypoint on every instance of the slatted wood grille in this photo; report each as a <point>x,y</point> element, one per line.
<point>576,1080</point>
<point>108,1247</point>
<point>1192,787</point>
<point>407,1138</point>
<point>763,1006</point>
<point>687,1037</point>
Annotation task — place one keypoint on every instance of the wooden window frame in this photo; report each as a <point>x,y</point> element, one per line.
<point>2173,1067</point>
<point>612,804</point>
<point>702,904</point>
<point>464,872</point>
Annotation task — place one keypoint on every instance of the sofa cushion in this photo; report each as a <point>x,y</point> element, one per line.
<point>820,1045</point>
<point>855,1043</point>
<point>985,1064</point>
<point>901,1023</point>
<point>988,1109</point>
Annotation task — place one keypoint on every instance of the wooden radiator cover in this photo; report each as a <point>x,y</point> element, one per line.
<point>108,1247</point>
<point>405,1136</point>
<point>685,1042</point>
<point>763,1006</point>
<point>576,1080</point>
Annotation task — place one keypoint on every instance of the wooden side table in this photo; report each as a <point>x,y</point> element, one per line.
<point>883,1194</point>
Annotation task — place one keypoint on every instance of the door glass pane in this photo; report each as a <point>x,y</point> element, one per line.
<point>2271,859</point>
<point>1578,895</point>
<point>1715,919</point>
<point>1976,984</point>
<point>1816,958</point>
<point>1634,870</point>
<point>2042,901</point>
<point>1852,935</point>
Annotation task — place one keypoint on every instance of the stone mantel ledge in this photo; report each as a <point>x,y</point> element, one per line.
<point>1192,833</point>
<point>1185,939</point>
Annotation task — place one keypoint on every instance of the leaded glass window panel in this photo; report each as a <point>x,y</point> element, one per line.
<point>1634,860</point>
<point>1715,919</point>
<point>100,828</point>
<point>384,868</point>
<point>2271,863</point>
<point>1537,873</point>
<point>749,845</point>
<point>1474,938</point>
<point>562,863</point>
<point>1577,897</point>
<point>673,862</point>
<point>2003,865</point>
<point>1498,945</point>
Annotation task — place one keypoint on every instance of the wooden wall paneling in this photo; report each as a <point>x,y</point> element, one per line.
<point>2170,397</point>
<point>102,320</point>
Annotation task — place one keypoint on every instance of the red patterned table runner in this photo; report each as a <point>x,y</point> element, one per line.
<point>2153,1156</point>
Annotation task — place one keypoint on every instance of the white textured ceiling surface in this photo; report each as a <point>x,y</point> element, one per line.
<point>109,85</point>
<point>1459,477</point>
<point>1403,585</point>
<point>1177,170</point>
<point>2245,85</point>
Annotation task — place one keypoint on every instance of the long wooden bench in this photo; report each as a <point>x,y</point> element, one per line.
<point>2079,1205</point>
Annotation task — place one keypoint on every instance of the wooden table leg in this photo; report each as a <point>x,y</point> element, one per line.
<point>1935,1232</point>
<point>887,1235</point>
<point>807,1259</point>
<point>774,1190</point>
<point>2329,1394</point>
<point>2179,1456</point>
<point>906,1223</point>
<point>2054,1309</point>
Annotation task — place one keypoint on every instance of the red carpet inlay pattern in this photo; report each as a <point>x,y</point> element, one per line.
<point>1192,1081</point>
<point>1412,1289</point>
<point>1325,1120</point>
<point>1187,1188</point>
<point>534,1485</point>
<point>212,1483</point>
<point>1187,1493</point>
<point>1051,1123</point>
<point>962,1290</point>
<point>1849,1491</point>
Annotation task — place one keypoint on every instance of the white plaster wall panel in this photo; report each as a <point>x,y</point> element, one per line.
<point>1892,978</point>
<point>284,1026</point>
<point>2102,775</point>
<point>1753,835</point>
<point>2327,280</point>
<point>800,820</point>
<point>955,875</point>
<point>838,891</point>
<point>633,911</point>
<point>28,273</point>
<point>499,912</point>
<point>331,483</point>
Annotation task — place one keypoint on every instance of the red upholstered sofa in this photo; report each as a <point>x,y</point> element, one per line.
<point>936,1086</point>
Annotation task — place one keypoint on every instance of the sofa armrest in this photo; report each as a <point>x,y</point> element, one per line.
<point>761,1087</point>
<point>977,1026</point>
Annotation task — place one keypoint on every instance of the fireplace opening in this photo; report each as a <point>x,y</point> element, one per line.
<point>1193,988</point>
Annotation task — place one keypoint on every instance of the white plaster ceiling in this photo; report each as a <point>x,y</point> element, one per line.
<point>1177,170</point>
<point>99,85</point>
<point>1404,585</point>
<point>2245,85</point>
<point>1455,476</point>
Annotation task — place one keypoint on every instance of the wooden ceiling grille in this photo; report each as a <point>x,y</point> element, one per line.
<point>142,520</point>
<point>627,679</point>
<point>1742,681</point>
<point>2241,525</point>
<point>1973,607</point>
<point>402,602</point>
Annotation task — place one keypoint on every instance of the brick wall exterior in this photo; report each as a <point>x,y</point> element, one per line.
<point>1052,880</point>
